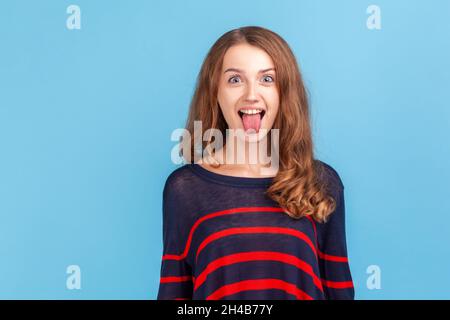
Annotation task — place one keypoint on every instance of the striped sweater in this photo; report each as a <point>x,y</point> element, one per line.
<point>224,238</point>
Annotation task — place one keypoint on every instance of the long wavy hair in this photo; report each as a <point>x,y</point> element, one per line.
<point>298,187</point>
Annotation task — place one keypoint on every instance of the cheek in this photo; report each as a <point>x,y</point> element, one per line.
<point>227,100</point>
<point>273,100</point>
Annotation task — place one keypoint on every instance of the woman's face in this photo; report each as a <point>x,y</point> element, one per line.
<point>247,93</point>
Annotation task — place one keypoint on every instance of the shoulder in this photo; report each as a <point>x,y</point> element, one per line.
<point>335,189</point>
<point>178,181</point>
<point>330,177</point>
<point>328,173</point>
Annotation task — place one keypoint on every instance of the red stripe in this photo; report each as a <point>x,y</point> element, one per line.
<point>213,215</point>
<point>256,256</point>
<point>259,284</point>
<point>329,257</point>
<point>175,279</point>
<point>246,230</point>
<point>172,257</point>
<point>321,254</point>
<point>337,284</point>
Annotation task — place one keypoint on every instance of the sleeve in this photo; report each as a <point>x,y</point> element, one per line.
<point>176,281</point>
<point>332,251</point>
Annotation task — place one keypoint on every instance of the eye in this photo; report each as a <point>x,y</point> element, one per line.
<point>268,78</point>
<point>234,79</point>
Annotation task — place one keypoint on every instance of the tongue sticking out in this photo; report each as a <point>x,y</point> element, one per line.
<point>251,121</point>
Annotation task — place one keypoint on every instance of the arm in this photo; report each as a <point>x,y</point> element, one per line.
<point>176,274</point>
<point>333,262</point>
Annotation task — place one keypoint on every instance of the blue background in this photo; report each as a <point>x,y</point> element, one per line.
<point>86,117</point>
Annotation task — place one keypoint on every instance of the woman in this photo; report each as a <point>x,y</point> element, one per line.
<point>243,229</point>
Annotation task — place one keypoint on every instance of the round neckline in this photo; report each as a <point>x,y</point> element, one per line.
<point>230,180</point>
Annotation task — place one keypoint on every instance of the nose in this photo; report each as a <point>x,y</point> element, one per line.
<point>251,94</point>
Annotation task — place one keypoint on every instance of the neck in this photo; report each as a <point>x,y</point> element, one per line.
<point>246,157</point>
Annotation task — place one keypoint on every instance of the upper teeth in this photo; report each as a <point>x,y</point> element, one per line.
<point>251,111</point>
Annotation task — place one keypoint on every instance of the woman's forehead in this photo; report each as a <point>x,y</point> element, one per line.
<point>246,58</point>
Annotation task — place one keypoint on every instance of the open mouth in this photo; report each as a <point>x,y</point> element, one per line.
<point>260,112</point>
<point>251,118</point>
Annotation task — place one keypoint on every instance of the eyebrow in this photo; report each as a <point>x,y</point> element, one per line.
<point>241,71</point>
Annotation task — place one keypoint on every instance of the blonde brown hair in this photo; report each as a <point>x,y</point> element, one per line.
<point>298,187</point>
